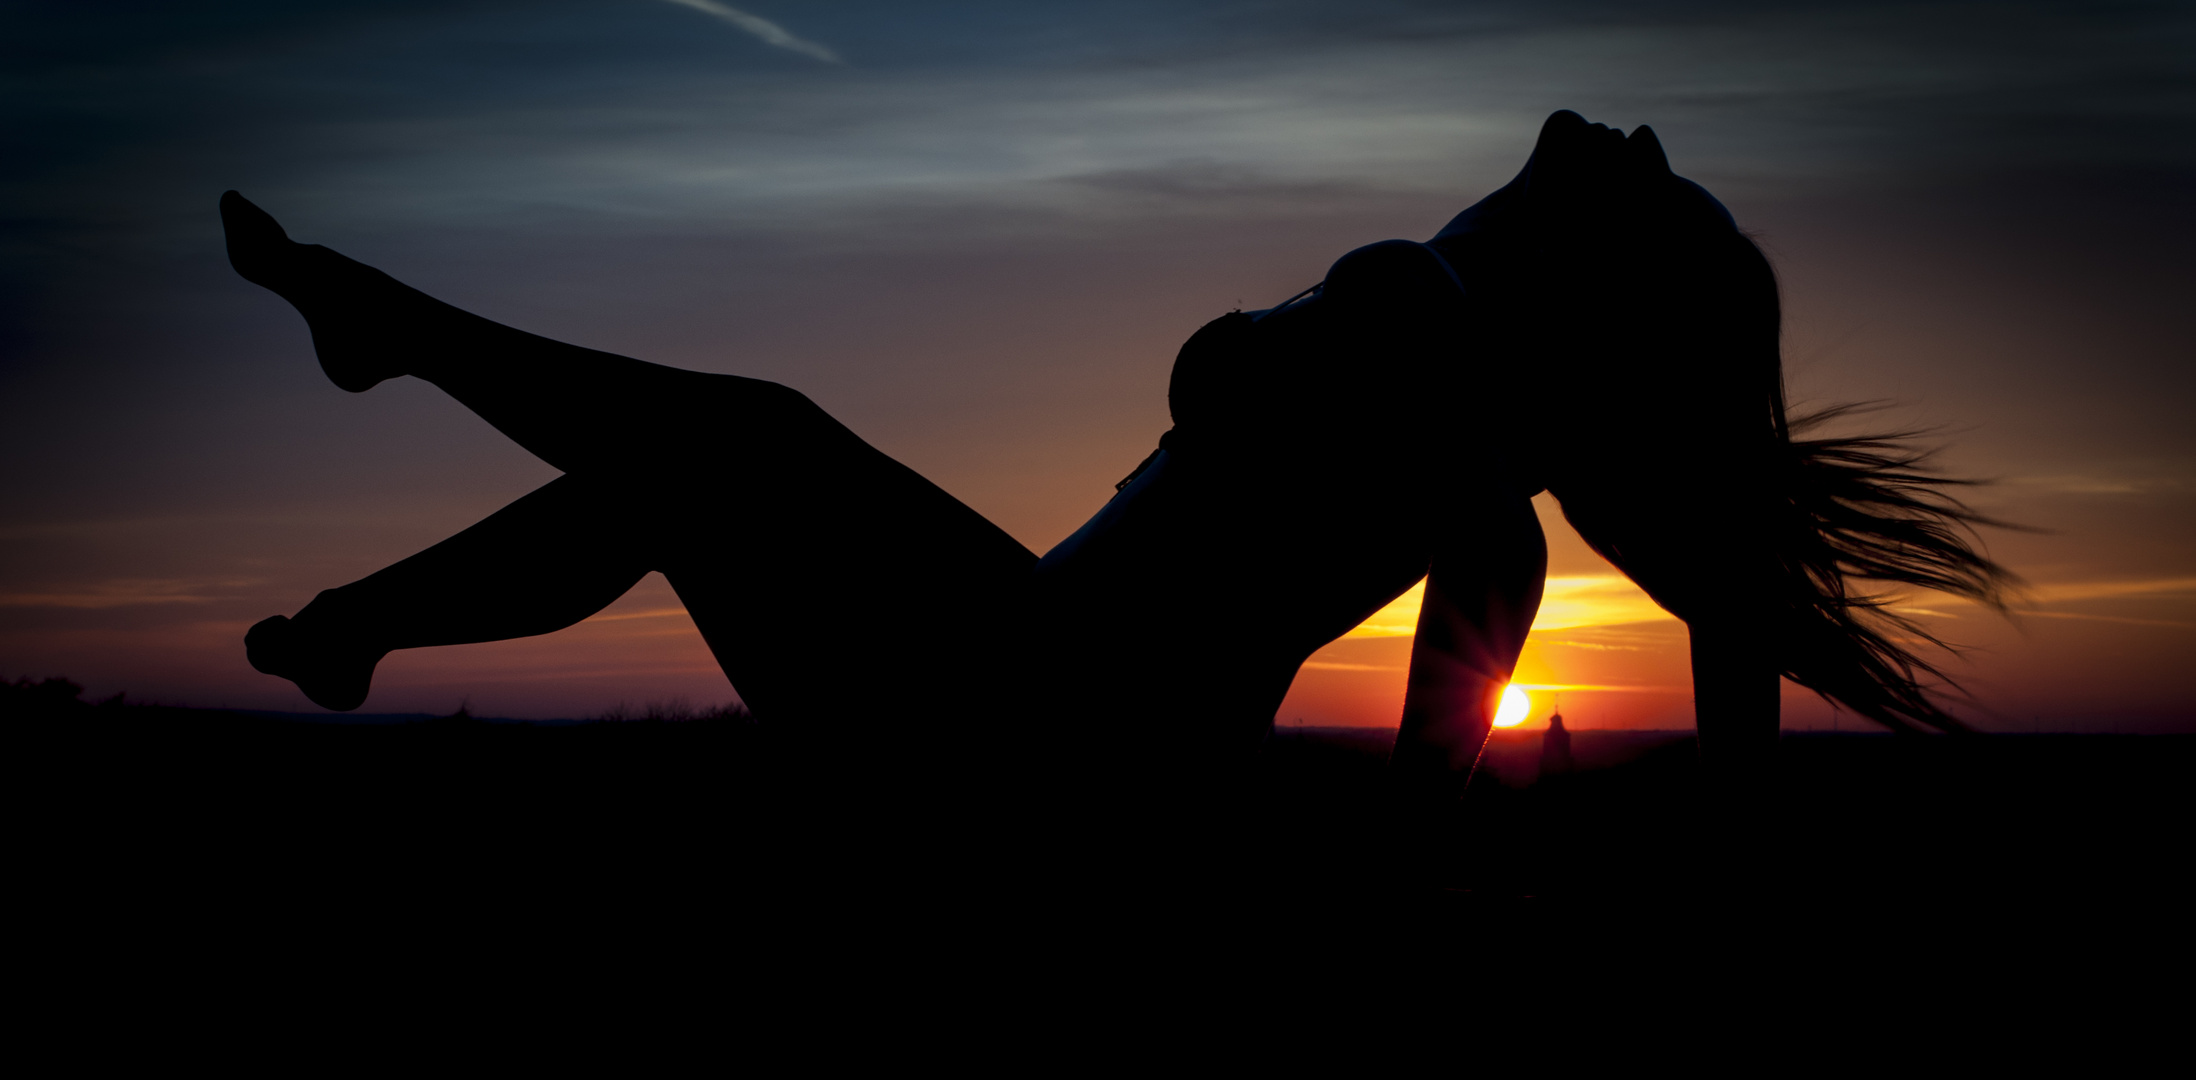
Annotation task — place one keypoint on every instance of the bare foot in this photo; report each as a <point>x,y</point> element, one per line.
<point>333,676</point>
<point>346,303</point>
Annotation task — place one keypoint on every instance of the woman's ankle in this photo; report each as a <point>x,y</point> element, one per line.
<point>335,670</point>
<point>347,304</point>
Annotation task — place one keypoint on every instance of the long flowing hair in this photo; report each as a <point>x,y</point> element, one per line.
<point>1696,481</point>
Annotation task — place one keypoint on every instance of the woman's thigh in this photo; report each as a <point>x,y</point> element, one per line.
<point>833,583</point>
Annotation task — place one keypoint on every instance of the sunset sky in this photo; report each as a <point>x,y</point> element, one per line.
<point>978,232</point>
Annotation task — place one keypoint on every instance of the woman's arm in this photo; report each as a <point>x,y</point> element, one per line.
<point>1735,691</point>
<point>1481,596</point>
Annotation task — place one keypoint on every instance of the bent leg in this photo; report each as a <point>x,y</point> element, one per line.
<point>545,562</point>
<point>838,588</point>
<point>554,557</point>
<point>833,586</point>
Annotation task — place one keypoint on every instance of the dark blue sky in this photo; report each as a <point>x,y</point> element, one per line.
<point>980,233</point>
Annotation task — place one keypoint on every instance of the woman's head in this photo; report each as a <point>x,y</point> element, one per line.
<point>1585,179</point>
<point>1639,308</point>
<point>1629,294</point>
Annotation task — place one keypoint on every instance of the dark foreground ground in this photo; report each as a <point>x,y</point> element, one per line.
<point>208,830</point>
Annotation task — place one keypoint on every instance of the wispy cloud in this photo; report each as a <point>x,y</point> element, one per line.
<point>2102,590</point>
<point>2092,484</point>
<point>124,592</point>
<point>768,32</point>
<point>2128,620</point>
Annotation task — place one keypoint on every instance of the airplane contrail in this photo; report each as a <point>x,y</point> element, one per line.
<point>770,33</point>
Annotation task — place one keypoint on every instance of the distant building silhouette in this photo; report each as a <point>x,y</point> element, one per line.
<point>1555,748</point>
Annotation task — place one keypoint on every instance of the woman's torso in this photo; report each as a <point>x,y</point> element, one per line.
<point>1319,452</point>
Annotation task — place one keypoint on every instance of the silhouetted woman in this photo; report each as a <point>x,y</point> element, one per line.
<point>1326,455</point>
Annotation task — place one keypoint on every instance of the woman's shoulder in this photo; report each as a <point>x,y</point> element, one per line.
<point>1206,370</point>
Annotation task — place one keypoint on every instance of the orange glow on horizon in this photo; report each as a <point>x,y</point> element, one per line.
<point>1569,601</point>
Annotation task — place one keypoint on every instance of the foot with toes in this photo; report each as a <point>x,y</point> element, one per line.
<point>350,307</point>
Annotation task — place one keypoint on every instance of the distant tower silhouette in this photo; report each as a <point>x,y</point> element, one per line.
<point>1555,748</point>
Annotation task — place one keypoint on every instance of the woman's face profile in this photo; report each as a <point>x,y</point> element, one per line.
<point>1580,177</point>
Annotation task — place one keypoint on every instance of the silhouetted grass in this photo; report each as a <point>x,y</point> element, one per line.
<point>677,710</point>
<point>673,804</point>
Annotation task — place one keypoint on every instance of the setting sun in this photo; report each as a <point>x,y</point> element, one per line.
<point>1516,704</point>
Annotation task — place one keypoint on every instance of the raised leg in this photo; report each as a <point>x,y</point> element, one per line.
<point>575,408</point>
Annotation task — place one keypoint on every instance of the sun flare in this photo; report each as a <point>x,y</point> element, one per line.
<point>1516,705</point>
